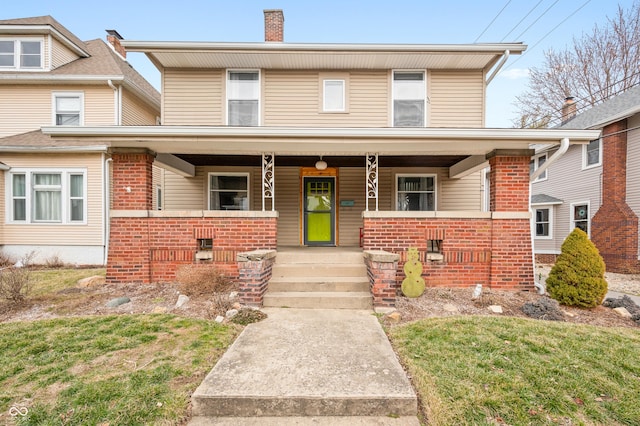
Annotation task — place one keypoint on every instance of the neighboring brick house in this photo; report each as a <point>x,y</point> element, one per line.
<point>595,187</point>
<point>296,144</point>
<point>55,196</point>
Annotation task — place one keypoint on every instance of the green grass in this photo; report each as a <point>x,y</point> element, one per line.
<point>48,281</point>
<point>126,369</point>
<point>488,371</point>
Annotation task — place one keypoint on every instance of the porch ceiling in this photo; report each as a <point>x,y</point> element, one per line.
<point>332,161</point>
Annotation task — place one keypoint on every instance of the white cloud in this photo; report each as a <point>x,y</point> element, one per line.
<point>515,73</point>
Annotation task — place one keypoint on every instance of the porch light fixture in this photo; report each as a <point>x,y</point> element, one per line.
<point>321,164</point>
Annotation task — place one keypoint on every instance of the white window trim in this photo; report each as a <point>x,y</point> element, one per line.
<point>536,165</point>
<point>226,103</point>
<point>246,175</point>
<point>544,207</point>
<point>571,216</point>
<point>65,194</point>
<point>426,99</point>
<point>435,187</point>
<point>586,166</point>
<point>159,200</point>
<point>324,95</point>
<point>17,52</point>
<point>56,94</point>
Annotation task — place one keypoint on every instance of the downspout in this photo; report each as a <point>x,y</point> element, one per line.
<point>564,146</point>
<point>495,72</point>
<point>117,100</point>
<point>106,208</point>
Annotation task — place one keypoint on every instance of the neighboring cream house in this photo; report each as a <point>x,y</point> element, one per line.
<point>277,144</point>
<point>595,187</point>
<point>55,196</point>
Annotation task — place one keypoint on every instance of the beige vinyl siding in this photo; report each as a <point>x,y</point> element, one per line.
<point>193,97</point>
<point>633,167</point>
<point>568,182</point>
<point>351,181</point>
<point>157,181</point>
<point>182,193</point>
<point>456,98</point>
<point>60,55</point>
<point>135,112</point>
<point>464,194</point>
<point>2,204</point>
<point>293,98</point>
<point>26,108</point>
<point>288,191</point>
<point>55,234</point>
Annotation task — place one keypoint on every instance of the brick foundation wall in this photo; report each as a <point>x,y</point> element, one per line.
<point>150,249</point>
<point>495,253</point>
<point>614,227</point>
<point>255,271</point>
<point>382,281</point>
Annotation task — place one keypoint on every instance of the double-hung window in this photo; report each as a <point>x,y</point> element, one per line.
<point>580,216</point>
<point>243,98</point>
<point>21,54</point>
<point>47,196</point>
<point>535,163</point>
<point>416,193</point>
<point>592,154</point>
<point>228,191</point>
<point>409,99</point>
<point>543,223</point>
<point>333,95</point>
<point>68,108</point>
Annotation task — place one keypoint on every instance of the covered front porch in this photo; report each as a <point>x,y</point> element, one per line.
<point>234,191</point>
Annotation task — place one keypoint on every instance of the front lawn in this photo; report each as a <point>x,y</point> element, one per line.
<point>101,370</point>
<point>511,371</point>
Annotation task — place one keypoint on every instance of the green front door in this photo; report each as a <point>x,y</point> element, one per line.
<point>319,211</point>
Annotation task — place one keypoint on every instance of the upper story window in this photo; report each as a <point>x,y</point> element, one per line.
<point>243,98</point>
<point>21,54</point>
<point>591,154</point>
<point>47,196</point>
<point>333,96</point>
<point>68,108</point>
<point>228,191</point>
<point>535,163</point>
<point>416,193</point>
<point>409,99</point>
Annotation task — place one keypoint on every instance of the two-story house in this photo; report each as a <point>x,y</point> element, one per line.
<point>595,187</point>
<point>296,144</point>
<point>54,196</point>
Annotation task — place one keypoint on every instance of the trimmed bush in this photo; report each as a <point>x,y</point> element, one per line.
<point>577,278</point>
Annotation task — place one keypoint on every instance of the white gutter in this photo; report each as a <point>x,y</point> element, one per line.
<point>564,146</point>
<point>54,149</point>
<point>117,103</point>
<point>498,67</point>
<point>66,78</point>
<point>106,200</point>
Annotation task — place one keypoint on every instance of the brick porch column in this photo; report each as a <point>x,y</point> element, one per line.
<point>511,252</point>
<point>129,254</point>
<point>614,228</point>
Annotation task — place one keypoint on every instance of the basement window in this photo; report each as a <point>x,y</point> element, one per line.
<point>434,250</point>
<point>205,243</point>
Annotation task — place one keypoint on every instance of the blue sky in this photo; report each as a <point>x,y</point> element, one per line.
<point>552,24</point>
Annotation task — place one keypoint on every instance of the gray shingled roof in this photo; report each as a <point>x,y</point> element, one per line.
<point>544,199</point>
<point>37,139</point>
<point>617,108</point>
<point>46,20</point>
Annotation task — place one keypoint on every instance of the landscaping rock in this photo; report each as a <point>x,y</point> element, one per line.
<point>159,310</point>
<point>219,319</point>
<point>182,300</point>
<point>624,302</point>
<point>622,312</point>
<point>496,309</point>
<point>92,281</point>
<point>545,309</point>
<point>117,302</point>
<point>236,305</point>
<point>231,313</point>
<point>394,317</point>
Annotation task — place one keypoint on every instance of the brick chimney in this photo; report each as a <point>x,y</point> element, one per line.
<point>113,37</point>
<point>568,109</point>
<point>273,25</point>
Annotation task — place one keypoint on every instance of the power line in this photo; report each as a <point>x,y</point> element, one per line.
<point>519,22</point>
<point>537,19</point>
<point>547,34</point>
<point>494,19</point>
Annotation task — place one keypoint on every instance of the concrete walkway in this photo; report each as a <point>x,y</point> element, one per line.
<point>308,366</point>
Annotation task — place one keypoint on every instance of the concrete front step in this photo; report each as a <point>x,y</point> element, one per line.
<point>323,284</point>
<point>306,421</point>
<point>319,270</point>
<point>319,256</point>
<point>318,300</point>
